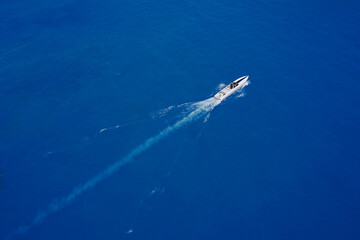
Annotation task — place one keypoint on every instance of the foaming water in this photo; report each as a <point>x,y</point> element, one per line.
<point>240,93</point>
<point>199,109</point>
<point>220,86</point>
<point>164,112</point>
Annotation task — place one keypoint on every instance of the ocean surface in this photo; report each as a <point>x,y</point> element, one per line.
<point>107,133</point>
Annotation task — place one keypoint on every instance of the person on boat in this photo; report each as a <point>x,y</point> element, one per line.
<point>232,85</point>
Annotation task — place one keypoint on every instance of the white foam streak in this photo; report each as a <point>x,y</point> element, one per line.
<point>220,86</point>
<point>201,109</point>
<point>162,112</point>
<point>102,130</point>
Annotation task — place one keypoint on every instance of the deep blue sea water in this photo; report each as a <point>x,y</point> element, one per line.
<point>281,162</point>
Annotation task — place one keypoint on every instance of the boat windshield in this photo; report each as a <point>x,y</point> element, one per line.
<point>233,84</point>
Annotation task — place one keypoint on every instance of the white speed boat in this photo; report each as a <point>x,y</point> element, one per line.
<point>231,88</point>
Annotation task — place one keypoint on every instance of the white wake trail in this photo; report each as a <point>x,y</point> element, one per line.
<point>201,108</point>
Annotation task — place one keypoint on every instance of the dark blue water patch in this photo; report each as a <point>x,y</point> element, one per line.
<point>279,163</point>
<point>2,180</point>
<point>62,16</point>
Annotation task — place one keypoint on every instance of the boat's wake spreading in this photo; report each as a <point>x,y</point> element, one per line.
<point>184,108</point>
<point>198,110</point>
<point>240,91</point>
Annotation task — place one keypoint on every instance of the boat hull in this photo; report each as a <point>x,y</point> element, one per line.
<point>231,88</point>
